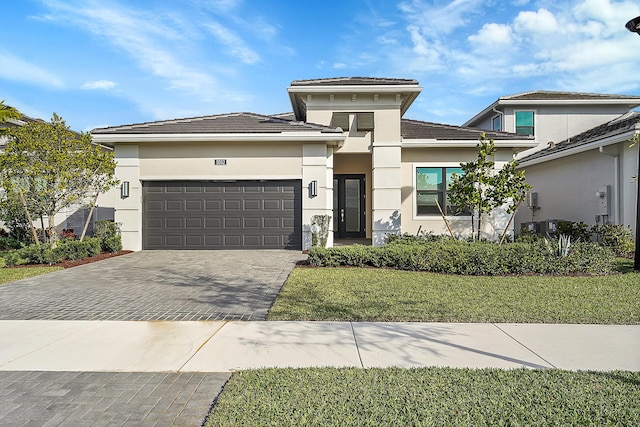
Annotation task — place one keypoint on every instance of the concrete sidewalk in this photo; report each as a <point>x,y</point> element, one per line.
<point>217,346</point>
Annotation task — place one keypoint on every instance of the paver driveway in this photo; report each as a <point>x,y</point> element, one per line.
<point>155,285</point>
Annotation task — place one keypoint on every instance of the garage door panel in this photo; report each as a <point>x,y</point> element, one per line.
<point>210,223</point>
<point>193,205</point>
<point>173,205</point>
<point>222,215</point>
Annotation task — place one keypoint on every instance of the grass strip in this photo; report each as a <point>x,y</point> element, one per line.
<point>12,274</point>
<point>427,396</point>
<point>368,294</point>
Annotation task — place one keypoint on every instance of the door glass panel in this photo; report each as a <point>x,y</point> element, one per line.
<point>336,206</point>
<point>352,205</point>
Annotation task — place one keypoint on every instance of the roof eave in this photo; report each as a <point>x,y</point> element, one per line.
<point>629,103</point>
<point>331,138</point>
<point>295,93</point>
<point>464,143</point>
<point>596,143</point>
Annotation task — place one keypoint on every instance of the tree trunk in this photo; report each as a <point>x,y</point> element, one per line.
<point>53,233</point>
<point>86,223</point>
<point>34,234</point>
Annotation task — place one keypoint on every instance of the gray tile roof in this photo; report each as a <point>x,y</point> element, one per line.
<point>414,129</point>
<point>354,81</point>
<point>539,95</point>
<point>622,124</point>
<point>216,124</point>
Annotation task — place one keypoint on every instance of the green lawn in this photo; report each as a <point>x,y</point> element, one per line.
<point>368,294</point>
<point>427,396</point>
<point>11,274</point>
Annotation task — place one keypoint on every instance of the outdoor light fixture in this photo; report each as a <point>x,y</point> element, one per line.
<point>634,27</point>
<point>124,189</point>
<point>313,188</point>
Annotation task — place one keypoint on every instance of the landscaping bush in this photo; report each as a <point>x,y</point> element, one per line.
<point>75,250</point>
<point>469,258</point>
<point>616,237</point>
<point>7,243</point>
<point>44,254</point>
<point>109,234</point>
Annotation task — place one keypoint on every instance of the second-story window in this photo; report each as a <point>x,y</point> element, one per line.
<point>496,123</point>
<point>524,122</point>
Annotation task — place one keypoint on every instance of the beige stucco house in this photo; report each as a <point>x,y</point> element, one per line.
<point>245,180</point>
<point>582,166</point>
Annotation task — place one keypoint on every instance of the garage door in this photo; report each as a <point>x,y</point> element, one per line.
<point>222,215</point>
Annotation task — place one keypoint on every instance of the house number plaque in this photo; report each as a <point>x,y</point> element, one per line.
<point>220,162</point>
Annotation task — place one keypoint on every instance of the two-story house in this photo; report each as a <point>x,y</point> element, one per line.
<point>582,166</point>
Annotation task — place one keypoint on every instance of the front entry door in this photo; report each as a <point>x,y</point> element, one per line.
<point>348,206</point>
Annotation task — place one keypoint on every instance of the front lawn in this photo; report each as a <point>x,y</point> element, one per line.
<point>12,274</point>
<point>368,294</point>
<point>427,396</point>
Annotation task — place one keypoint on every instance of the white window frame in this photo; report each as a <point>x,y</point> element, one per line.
<point>535,119</point>
<point>414,190</point>
<point>498,116</point>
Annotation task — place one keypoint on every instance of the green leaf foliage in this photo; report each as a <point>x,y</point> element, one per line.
<point>469,258</point>
<point>481,188</point>
<point>54,167</point>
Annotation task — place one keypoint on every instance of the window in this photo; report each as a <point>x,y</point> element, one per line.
<point>340,120</point>
<point>363,121</point>
<point>431,185</point>
<point>524,122</point>
<point>496,123</point>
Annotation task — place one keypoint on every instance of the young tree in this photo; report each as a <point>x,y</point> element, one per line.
<point>50,168</point>
<point>7,112</point>
<point>481,188</point>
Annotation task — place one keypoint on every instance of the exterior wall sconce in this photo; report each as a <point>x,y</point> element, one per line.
<point>313,188</point>
<point>124,189</point>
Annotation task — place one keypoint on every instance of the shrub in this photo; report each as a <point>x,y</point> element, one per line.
<point>76,250</point>
<point>616,237</point>
<point>470,258</point>
<point>577,231</point>
<point>7,243</point>
<point>109,234</point>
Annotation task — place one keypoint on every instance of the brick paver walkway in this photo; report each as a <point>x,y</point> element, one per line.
<point>107,398</point>
<point>155,285</point>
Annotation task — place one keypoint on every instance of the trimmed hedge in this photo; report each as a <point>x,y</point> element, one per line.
<point>469,258</point>
<point>44,254</point>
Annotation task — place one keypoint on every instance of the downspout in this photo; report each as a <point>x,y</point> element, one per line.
<point>616,182</point>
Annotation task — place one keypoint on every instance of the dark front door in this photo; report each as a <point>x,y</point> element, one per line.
<point>348,206</point>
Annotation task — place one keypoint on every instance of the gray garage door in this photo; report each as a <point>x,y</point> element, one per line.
<point>222,215</point>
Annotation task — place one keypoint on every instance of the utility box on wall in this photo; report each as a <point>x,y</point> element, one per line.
<point>604,200</point>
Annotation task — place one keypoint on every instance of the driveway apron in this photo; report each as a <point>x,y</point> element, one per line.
<point>155,285</point>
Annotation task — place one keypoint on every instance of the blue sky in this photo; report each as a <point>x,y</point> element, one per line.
<point>112,62</point>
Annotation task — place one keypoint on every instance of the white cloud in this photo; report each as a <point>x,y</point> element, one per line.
<point>339,65</point>
<point>541,21</point>
<point>437,19</point>
<point>18,69</point>
<point>235,45</point>
<point>492,34</point>
<point>99,84</point>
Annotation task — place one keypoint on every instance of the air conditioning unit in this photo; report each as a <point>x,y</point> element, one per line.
<point>531,227</point>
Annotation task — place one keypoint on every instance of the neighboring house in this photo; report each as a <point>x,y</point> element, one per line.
<point>244,180</point>
<point>73,217</point>
<point>582,166</point>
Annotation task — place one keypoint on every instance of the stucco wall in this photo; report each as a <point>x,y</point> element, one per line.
<point>493,224</point>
